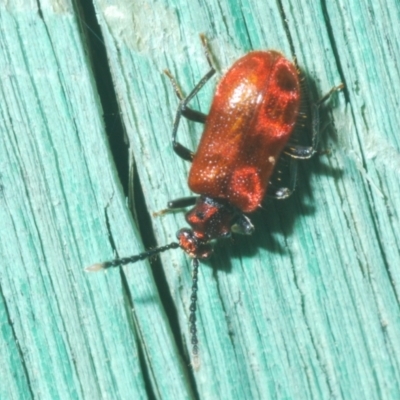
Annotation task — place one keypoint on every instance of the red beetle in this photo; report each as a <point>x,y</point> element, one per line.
<point>259,104</point>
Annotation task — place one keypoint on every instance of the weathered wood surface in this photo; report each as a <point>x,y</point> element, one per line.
<point>306,308</point>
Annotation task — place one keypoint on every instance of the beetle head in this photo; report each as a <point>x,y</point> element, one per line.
<point>192,245</point>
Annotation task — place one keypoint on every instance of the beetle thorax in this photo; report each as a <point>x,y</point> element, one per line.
<point>210,218</point>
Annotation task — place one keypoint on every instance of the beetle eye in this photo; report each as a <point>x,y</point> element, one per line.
<point>200,215</point>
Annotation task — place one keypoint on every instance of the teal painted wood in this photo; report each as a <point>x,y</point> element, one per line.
<point>306,308</point>
<point>65,334</point>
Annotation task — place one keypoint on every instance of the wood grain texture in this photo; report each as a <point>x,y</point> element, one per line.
<point>65,334</point>
<point>307,308</point>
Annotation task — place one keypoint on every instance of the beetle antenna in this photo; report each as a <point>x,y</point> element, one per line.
<point>132,259</point>
<point>192,309</point>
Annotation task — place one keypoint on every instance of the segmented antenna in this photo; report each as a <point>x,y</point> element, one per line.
<point>132,259</point>
<point>192,309</point>
<point>193,298</point>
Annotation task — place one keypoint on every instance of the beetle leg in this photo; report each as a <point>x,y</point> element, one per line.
<point>334,89</point>
<point>281,193</point>
<point>189,113</point>
<point>182,202</point>
<point>242,225</point>
<point>179,149</point>
<point>206,50</point>
<point>184,110</point>
<point>182,151</point>
<point>306,152</point>
<point>300,152</point>
<point>194,115</point>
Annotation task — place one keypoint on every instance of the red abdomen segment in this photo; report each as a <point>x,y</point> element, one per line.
<point>252,116</point>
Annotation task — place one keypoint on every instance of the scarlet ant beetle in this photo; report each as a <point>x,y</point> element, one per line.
<point>259,104</point>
